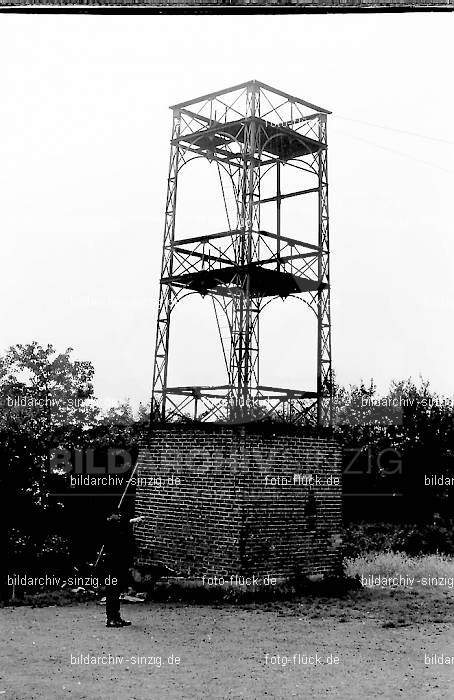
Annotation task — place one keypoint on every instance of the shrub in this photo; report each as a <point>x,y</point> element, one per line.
<point>413,539</point>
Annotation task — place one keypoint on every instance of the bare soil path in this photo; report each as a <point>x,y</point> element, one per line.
<point>222,650</point>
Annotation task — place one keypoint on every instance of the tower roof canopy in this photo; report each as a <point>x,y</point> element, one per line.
<point>250,83</point>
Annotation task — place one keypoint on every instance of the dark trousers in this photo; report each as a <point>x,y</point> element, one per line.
<point>113,591</point>
<point>113,601</point>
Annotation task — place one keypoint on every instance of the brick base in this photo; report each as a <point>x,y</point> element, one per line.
<point>223,500</point>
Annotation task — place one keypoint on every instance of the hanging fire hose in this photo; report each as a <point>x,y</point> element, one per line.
<point>119,507</point>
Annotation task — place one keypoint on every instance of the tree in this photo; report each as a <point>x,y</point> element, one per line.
<point>121,414</point>
<point>391,443</point>
<point>49,390</point>
<point>45,396</point>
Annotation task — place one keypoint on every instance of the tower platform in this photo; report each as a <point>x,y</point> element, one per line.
<point>273,140</point>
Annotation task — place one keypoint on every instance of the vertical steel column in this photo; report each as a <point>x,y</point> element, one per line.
<point>278,214</point>
<point>166,292</point>
<point>253,226</point>
<point>324,369</point>
<point>244,361</point>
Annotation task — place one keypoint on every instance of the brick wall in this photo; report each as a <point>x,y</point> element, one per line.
<point>232,511</point>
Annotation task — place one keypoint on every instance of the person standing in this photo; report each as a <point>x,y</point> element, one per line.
<point>117,554</point>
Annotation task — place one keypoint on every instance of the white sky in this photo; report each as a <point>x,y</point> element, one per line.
<point>84,151</point>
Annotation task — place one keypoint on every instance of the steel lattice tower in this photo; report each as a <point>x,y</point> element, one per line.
<point>247,130</point>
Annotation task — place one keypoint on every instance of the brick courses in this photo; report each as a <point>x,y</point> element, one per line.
<point>227,516</point>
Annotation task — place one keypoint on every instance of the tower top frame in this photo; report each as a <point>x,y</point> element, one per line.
<point>258,85</point>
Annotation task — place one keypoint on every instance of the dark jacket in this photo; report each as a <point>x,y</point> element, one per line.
<point>117,543</point>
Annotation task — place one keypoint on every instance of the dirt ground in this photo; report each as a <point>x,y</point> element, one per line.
<point>380,638</point>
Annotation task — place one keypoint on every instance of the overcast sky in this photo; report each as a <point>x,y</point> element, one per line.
<point>84,149</point>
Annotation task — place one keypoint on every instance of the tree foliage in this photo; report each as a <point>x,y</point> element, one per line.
<point>393,444</point>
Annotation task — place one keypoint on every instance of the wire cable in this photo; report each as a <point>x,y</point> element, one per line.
<point>391,128</point>
<point>395,151</point>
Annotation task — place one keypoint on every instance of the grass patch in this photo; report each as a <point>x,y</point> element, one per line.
<point>425,570</point>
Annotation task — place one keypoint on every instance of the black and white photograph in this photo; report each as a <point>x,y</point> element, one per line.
<point>226,393</point>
